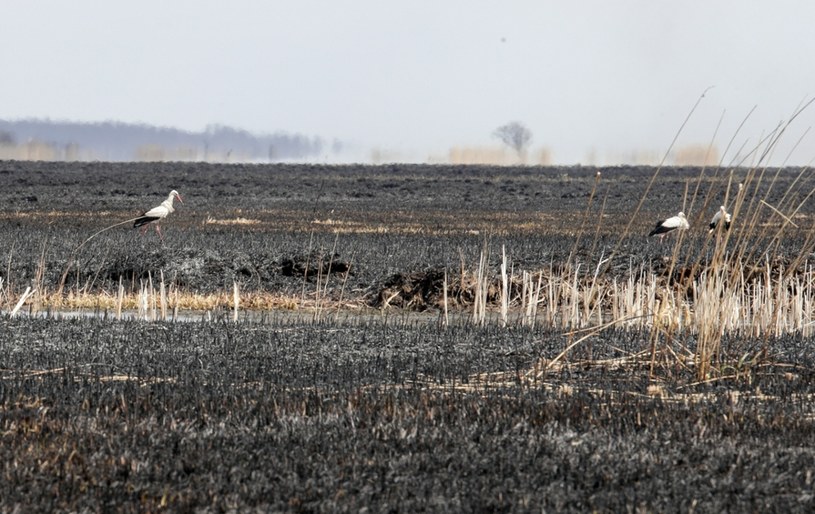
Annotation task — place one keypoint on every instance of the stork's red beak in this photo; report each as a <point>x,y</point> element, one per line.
<point>179,198</point>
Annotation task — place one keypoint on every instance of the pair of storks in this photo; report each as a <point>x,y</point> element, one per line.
<point>679,221</point>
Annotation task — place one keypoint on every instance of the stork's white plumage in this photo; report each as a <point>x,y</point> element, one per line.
<point>669,225</point>
<point>158,213</point>
<point>720,215</point>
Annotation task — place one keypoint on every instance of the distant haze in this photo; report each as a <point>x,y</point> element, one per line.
<point>596,82</point>
<point>62,140</point>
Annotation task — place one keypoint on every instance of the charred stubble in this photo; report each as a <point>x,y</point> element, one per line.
<point>390,411</point>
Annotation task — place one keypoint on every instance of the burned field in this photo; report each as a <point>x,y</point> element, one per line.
<point>398,415</point>
<point>355,390</point>
<point>269,227</point>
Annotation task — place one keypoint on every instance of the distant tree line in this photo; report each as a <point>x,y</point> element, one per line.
<point>118,141</point>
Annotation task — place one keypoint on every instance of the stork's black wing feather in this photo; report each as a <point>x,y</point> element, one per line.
<point>659,228</point>
<point>144,220</point>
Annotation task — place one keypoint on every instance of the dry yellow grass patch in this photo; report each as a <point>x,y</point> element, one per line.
<point>356,227</point>
<point>234,221</point>
<point>56,214</point>
<point>175,300</point>
<point>443,223</point>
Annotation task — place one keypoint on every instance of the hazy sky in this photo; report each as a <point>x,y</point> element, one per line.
<point>417,77</point>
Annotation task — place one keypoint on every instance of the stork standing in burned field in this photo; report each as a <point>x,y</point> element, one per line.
<point>666,226</point>
<point>156,214</point>
<point>721,216</point>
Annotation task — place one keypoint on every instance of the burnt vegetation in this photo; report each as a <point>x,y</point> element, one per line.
<point>393,394</point>
<point>288,414</point>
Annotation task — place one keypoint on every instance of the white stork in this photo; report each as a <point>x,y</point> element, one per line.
<point>720,215</point>
<point>665,226</point>
<point>156,214</point>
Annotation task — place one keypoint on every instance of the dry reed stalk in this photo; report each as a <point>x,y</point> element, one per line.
<point>8,289</point>
<point>174,294</point>
<point>585,218</point>
<point>572,310</point>
<point>598,226</point>
<point>552,301</point>
<point>39,287</point>
<point>708,296</point>
<point>504,300</point>
<point>342,287</point>
<point>785,218</point>
<point>322,287</point>
<point>305,272</point>
<point>318,298</point>
<point>152,296</point>
<point>92,281</point>
<point>536,300</point>
<point>444,295</point>
<point>542,365</point>
<point>330,264</point>
<point>756,203</point>
<point>236,301</point>
<point>530,298</point>
<point>481,288</point>
<point>120,299</point>
<point>163,298</point>
<point>28,292</point>
<point>144,299</point>
<point>596,294</point>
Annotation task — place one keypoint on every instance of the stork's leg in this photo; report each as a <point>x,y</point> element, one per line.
<point>158,229</point>
<point>143,229</point>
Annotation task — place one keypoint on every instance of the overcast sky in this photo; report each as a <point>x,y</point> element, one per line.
<point>418,77</point>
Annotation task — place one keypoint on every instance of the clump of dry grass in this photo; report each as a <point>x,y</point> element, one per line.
<point>231,221</point>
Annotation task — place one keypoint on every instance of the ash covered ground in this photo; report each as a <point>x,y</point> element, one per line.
<point>391,411</point>
<point>389,416</point>
<point>272,228</point>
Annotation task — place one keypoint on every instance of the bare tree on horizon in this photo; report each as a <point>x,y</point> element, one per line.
<point>515,135</point>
